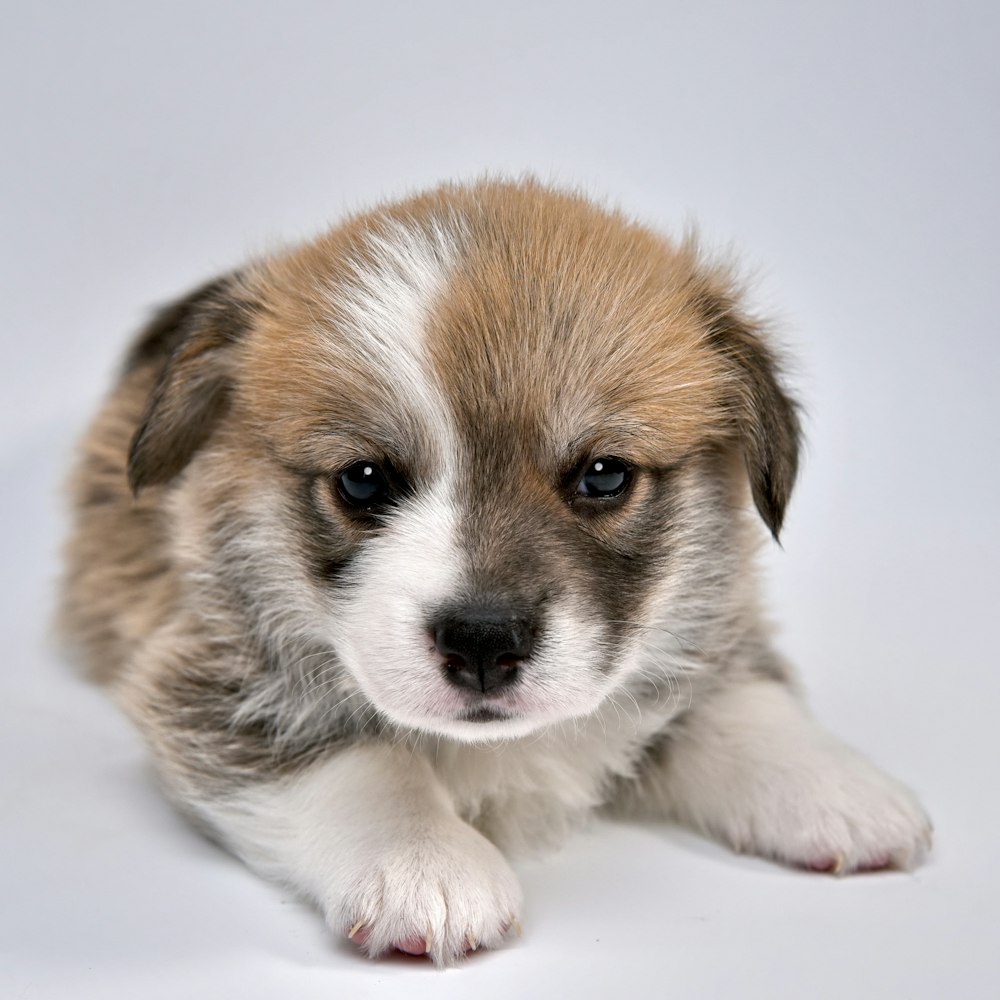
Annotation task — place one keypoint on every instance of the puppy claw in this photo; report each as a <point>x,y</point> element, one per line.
<point>516,925</point>
<point>354,930</point>
<point>470,940</point>
<point>838,865</point>
<point>427,941</point>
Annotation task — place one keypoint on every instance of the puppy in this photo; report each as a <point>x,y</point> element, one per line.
<point>417,544</point>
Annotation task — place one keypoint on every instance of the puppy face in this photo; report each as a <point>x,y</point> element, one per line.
<point>476,445</point>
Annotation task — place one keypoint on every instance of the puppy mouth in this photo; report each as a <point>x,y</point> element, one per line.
<point>484,713</point>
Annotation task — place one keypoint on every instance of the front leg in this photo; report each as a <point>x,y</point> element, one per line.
<point>363,828</point>
<point>752,768</point>
<point>370,835</point>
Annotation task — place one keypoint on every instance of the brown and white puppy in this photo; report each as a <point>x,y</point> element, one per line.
<point>425,540</point>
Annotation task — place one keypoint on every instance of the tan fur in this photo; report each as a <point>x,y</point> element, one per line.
<point>640,378</point>
<point>119,585</point>
<point>608,275</point>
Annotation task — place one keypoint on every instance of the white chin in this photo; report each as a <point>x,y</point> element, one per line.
<point>485,731</point>
<point>489,727</point>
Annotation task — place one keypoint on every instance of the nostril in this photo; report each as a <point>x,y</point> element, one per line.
<point>506,671</point>
<point>453,662</point>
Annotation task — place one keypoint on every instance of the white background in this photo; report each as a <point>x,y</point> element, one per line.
<point>850,149</point>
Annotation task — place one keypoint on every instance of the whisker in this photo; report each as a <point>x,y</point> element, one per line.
<point>656,627</point>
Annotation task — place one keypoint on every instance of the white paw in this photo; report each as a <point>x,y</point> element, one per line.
<point>443,892</point>
<point>754,769</point>
<point>834,812</point>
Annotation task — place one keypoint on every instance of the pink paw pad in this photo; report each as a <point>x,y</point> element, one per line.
<point>416,945</point>
<point>837,866</point>
<point>831,866</point>
<point>359,934</point>
<point>412,946</point>
<point>877,865</point>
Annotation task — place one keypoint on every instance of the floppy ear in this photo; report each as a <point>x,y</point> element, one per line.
<point>766,417</point>
<point>192,339</point>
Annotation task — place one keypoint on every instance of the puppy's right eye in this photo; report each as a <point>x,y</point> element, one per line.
<point>364,486</point>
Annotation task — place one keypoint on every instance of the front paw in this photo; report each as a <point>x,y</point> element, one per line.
<point>840,815</point>
<point>442,892</point>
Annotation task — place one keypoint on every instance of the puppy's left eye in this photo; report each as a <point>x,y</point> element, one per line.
<point>604,477</point>
<point>364,485</point>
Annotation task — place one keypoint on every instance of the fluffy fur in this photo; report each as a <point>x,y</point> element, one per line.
<point>289,655</point>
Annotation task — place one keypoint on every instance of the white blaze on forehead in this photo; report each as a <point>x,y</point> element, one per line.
<point>384,306</point>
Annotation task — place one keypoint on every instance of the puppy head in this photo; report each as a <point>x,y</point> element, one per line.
<point>475,443</point>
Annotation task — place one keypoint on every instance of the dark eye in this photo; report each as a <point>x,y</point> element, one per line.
<point>364,485</point>
<point>604,477</point>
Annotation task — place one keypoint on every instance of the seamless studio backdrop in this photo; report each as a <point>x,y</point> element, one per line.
<point>849,151</point>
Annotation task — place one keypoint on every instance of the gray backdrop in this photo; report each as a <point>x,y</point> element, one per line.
<point>850,151</point>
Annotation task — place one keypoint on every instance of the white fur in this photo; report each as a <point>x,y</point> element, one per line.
<point>527,794</point>
<point>382,311</point>
<point>751,767</point>
<point>381,632</point>
<point>372,838</point>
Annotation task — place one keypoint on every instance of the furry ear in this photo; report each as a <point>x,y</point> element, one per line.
<point>766,417</point>
<point>192,340</point>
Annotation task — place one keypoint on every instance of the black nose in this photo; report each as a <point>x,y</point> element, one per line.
<point>483,648</point>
